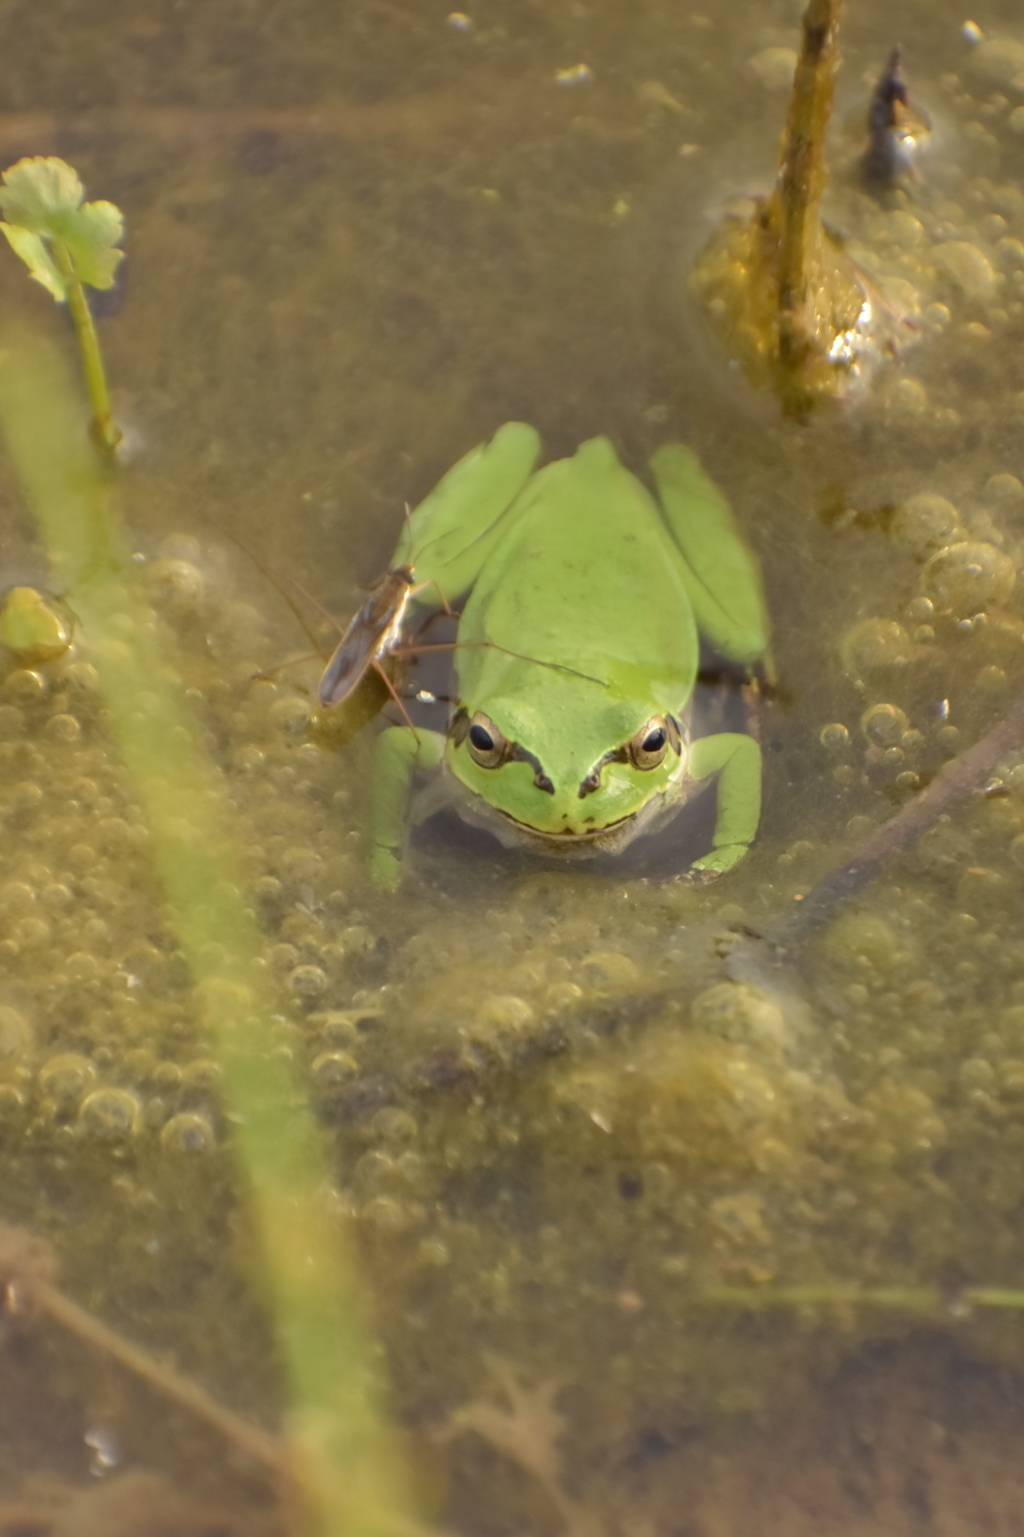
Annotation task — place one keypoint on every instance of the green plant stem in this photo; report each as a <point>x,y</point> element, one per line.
<point>345,1463</point>
<point>105,431</point>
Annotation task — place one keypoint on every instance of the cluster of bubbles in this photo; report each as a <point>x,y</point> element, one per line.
<point>932,679</point>
<point>70,1092</point>
<point>98,1035</point>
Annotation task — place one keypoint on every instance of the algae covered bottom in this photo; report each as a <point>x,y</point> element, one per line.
<point>562,1129</point>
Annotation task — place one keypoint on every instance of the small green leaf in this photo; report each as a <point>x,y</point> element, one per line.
<point>36,258</point>
<point>91,236</point>
<point>42,198</point>
<point>36,189</point>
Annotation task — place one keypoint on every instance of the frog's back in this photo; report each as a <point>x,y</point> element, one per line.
<point>587,576</point>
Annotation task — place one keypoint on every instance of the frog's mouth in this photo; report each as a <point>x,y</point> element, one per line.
<point>564,839</point>
<point>568,843</point>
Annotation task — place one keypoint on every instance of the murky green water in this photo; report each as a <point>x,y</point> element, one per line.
<point>560,1125</point>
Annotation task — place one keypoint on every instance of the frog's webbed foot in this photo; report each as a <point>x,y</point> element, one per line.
<point>717,862</point>
<point>694,877</point>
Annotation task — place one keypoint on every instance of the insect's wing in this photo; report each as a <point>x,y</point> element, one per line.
<point>371,632</point>
<point>353,655</point>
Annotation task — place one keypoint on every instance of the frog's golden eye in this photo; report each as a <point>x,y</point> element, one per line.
<point>649,746</point>
<point>487,746</point>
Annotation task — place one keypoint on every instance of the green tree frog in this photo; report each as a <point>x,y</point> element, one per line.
<point>582,600</point>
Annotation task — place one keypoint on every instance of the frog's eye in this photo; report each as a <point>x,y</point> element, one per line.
<point>649,746</point>
<point>486,744</point>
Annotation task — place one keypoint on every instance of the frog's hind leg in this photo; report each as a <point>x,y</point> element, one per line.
<point>722,576</point>
<point>448,536</point>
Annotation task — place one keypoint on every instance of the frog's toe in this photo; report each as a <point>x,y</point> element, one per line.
<point>385,868</point>
<point>719,860</point>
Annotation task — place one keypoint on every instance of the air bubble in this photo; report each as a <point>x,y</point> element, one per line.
<point>81,967</point>
<point>188,1133</point>
<point>82,677</point>
<point>1003,490</point>
<point>67,1077</point>
<point>333,1069</point>
<point>15,896</point>
<point>504,1011</point>
<point>174,584</point>
<point>834,737</point>
<point>386,1214</point>
<point>990,680</point>
<point>203,1074</point>
<point>167,1075</point>
<point>24,686</point>
<point>738,1012</point>
<point>289,714</point>
<point>307,983</point>
<point>874,645</point>
<point>610,967</point>
<point>63,728</point>
<point>926,522</point>
<point>112,1115</point>
<point>15,1034</point>
<point>965,578</point>
<point>27,796</point>
<point>394,1126</point>
<point>31,932</point>
<point>883,724</point>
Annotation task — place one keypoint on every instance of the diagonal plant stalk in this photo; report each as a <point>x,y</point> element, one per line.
<point>351,1479</point>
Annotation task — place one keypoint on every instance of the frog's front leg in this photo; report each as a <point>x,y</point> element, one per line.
<point>397,755</point>
<point>736,759</point>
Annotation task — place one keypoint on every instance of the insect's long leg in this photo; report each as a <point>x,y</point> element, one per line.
<point>464,645</point>
<point>395,696</point>
<point>324,613</point>
<point>445,608</point>
<point>268,674</point>
<point>275,582</point>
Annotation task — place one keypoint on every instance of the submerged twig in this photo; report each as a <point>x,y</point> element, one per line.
<point>413,117</point>
<point>957,779</point>
<point>909,1299</point>
<point>27,1269</point>
<point>527,1432</point>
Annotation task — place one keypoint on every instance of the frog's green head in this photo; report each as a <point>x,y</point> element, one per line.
<point>581,778</point>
